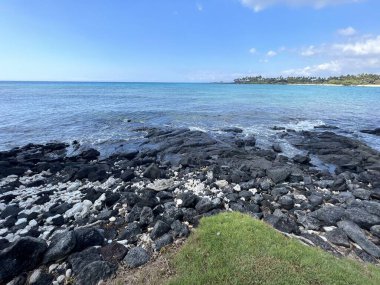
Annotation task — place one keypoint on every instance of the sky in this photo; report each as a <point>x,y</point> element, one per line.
<point>186,40</point>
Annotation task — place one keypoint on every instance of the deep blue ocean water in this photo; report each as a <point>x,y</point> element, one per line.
<point>104,114</point>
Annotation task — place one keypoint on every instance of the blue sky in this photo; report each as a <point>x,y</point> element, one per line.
<point>186,40</point>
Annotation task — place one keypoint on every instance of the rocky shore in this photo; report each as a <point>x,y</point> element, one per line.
<point>73,219</point>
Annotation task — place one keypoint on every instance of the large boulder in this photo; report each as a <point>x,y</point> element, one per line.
<point>159,229</point>
<point>362,218</point>
<point>136,257</point>
<point>95,272</point>
<point>62,244</point>
<point>357,235</point>
<point>329,215</point>
<point>86,237</point>
<point>79,260</point>
<point>23,255</point>
<point>278,174</point>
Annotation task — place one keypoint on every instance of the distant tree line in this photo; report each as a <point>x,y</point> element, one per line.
<point>360,79</point>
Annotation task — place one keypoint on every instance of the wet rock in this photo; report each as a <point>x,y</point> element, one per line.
<point>375,132</point>
<point>159,229</point>
<point>301,159</point>
<point>338,237</point>
<point>95,272</point>
<point>232,130</point>
<point>277,147</point>
<point>113,252</point>
<point>62,244</point>
<point>357,235</point>
<point>23,255</point>
<point>163,241</point>
<point>136,257</point>
<point>90,154</point>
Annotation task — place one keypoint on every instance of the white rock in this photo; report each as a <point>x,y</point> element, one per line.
<point>68,273</point>
<point>178,202</point>
<point>77,208</point>
<point>33,223</point>
<point>300,197</point>
<point>20,221</point>
<point>253,191</point>
<point>34,276</point>
<point>99,202</point>
<point>221,183</point>
<point>161,184</point>
<point>112,219</point>
<point>237,188</point>
<point>329,229</point>
<point>87,203</point>
<point>3,231</point>
<point>74,186</point>
<point>60,279</point>
<point>50,219</point>
<point>53,267</point>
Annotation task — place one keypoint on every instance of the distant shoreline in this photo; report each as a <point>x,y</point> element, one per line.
<point>308,84</point>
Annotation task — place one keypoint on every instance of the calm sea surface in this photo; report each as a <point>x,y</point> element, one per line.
<point>104,114</point>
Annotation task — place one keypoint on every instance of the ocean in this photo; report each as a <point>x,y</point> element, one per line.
<point>105,115</point>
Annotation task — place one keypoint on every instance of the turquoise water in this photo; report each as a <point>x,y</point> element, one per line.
<point>104,114</point>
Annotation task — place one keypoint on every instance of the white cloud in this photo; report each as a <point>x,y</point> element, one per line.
<point>364,47</point>
<point>252,51</point>
<point>323,68</point>
<point>309,51</point>
<point>271,53</point>
<point>199,7</point>
<point>259,5</point>
<point>349,31</point>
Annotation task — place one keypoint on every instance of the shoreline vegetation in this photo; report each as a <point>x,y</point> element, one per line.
<point>364,80</point>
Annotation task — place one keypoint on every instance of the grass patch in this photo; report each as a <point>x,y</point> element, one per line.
<point>232,248</point>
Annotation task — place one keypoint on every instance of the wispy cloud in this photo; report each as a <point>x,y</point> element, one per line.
<point>271,53</point>
<point>259,5</point>
<point>323,68</point>
<point>199,7</point>
<point>349,31</point>
<point>252,50</point>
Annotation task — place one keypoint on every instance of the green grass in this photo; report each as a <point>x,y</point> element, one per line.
<point>232,248</point>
